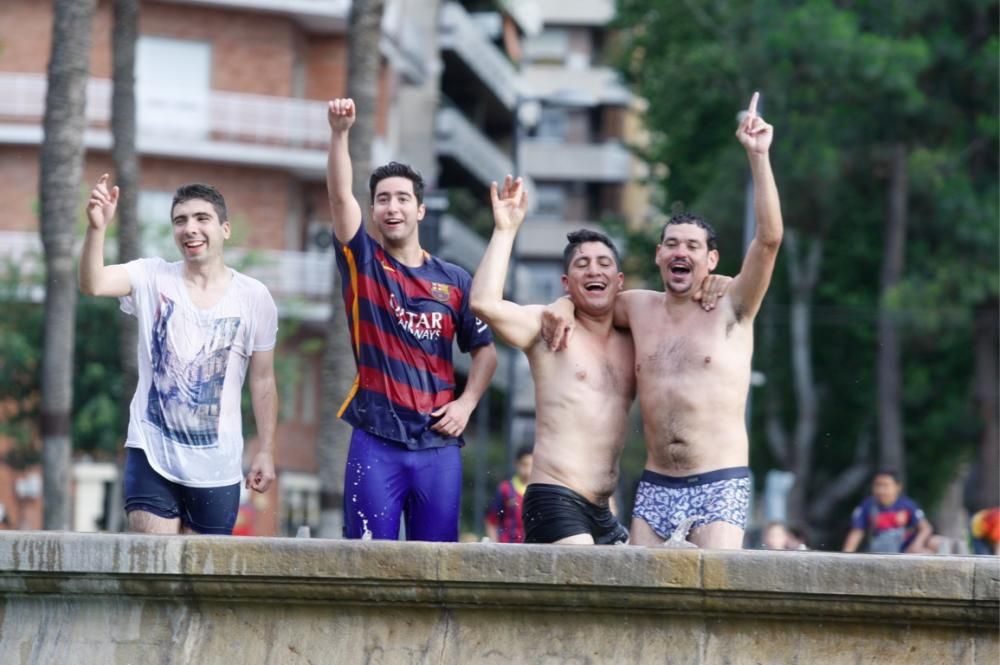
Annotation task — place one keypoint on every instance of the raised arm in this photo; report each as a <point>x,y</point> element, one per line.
<point>517,325</point>
<point>748,288</point>
<point>344,208</point>
<point>97,279</point>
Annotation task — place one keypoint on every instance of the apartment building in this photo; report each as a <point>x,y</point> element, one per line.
<point>232,92</point>
<point>573,121</point>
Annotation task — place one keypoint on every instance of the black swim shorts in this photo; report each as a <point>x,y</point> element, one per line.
<point>554,512</point>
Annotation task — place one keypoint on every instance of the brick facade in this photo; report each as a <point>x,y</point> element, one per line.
<point>252,53</point>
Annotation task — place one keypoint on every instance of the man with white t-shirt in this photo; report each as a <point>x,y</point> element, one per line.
<point>202,325</point>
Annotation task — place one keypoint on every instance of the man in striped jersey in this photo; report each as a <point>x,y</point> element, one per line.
<point>405,310</point>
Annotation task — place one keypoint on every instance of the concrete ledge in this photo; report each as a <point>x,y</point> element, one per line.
<point>460,603</point>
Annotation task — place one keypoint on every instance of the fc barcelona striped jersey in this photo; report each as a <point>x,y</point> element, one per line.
<point>403,324</point>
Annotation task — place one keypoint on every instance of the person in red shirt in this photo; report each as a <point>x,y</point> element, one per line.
<point>985,528</point>
<point>503,517</point>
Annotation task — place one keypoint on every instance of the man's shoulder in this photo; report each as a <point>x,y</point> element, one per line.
<point>455,272</point>
<point>639,302</point>
<point>151,267</point>
<point>867,504</point>
<point>251,285</point>
<point>630,296</point>
<point>153,263</point>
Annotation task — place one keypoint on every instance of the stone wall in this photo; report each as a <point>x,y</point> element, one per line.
<point>123,599</point>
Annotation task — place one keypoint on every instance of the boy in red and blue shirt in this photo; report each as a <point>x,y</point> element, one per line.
<point>893,522</point>
<point>504,523</point>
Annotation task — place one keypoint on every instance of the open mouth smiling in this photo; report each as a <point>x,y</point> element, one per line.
<point>680,268</point>
<point>595,286</point>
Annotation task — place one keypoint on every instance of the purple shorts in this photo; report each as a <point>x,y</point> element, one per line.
<point>384,480</point>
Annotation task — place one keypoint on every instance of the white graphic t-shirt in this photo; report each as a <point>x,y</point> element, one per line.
<point>186,410</point>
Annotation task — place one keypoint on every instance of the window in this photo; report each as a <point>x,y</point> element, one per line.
<point>299,501</point>
<point>156,236</point>
<point>310,388</point>
<point>551,201</point>
<point>552,124</point>
<point>173,86</point>
<point>545,283</point>
<point>548,47</point>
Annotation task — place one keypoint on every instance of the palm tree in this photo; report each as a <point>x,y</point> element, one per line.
<point>124,33</point>
<point>59,183</point>
<point>363,67</point>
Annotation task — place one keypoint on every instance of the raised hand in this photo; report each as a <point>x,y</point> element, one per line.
<point>341,114</point>
<point>753,133</point>
<point>510,204</point>
<point>102,203</point>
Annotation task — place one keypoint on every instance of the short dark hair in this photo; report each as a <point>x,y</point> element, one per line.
<point>687,218</point>
<point>198,190</point>
<point>892,473</point>
<point>522,452</point>
<point>577,238</point>
<point>397,170</point>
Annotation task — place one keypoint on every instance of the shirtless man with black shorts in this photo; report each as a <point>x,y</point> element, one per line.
<point>582,395</point>
<point>693,368</point>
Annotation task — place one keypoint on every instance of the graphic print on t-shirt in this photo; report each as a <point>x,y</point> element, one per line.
<point>186,390</point>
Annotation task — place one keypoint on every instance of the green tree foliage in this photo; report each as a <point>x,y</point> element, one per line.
<point>842,83</point>
<point>98,426</point>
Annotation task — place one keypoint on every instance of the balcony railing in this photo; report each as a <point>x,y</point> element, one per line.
<point>578,12</point>
<point>289,275</point>
<point>589,162</point>
<point>459,33</point>
<point>601,84</point>
<point>227,116</point>
<point>313,14</point>
<point>460,139</point>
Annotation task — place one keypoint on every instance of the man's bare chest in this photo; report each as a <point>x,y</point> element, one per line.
<point>709,345</point>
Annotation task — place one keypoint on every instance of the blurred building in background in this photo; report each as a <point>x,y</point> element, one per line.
<point>233,93</point>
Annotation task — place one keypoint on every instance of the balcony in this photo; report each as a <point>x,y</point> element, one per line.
<point>227,127</point>
<point>579,12</point>
<point>606,162</point>
<point>312,15</point>
<point>601,85</point>
<point>462,141</point>
<point>458,33</point>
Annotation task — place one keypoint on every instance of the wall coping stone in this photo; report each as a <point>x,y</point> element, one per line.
<point>931,590</point>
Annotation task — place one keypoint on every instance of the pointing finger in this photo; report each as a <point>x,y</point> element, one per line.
<point>752,109</point>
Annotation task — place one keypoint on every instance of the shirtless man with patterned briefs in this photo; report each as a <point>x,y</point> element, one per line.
<point>693,369</point>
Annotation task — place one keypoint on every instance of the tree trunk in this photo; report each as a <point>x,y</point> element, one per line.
<point>890,398</point>
<point>987,379</point>
<point>803,267</point>
<point>127,176</point>
<point>363,68</point>
<point>61,168</point>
